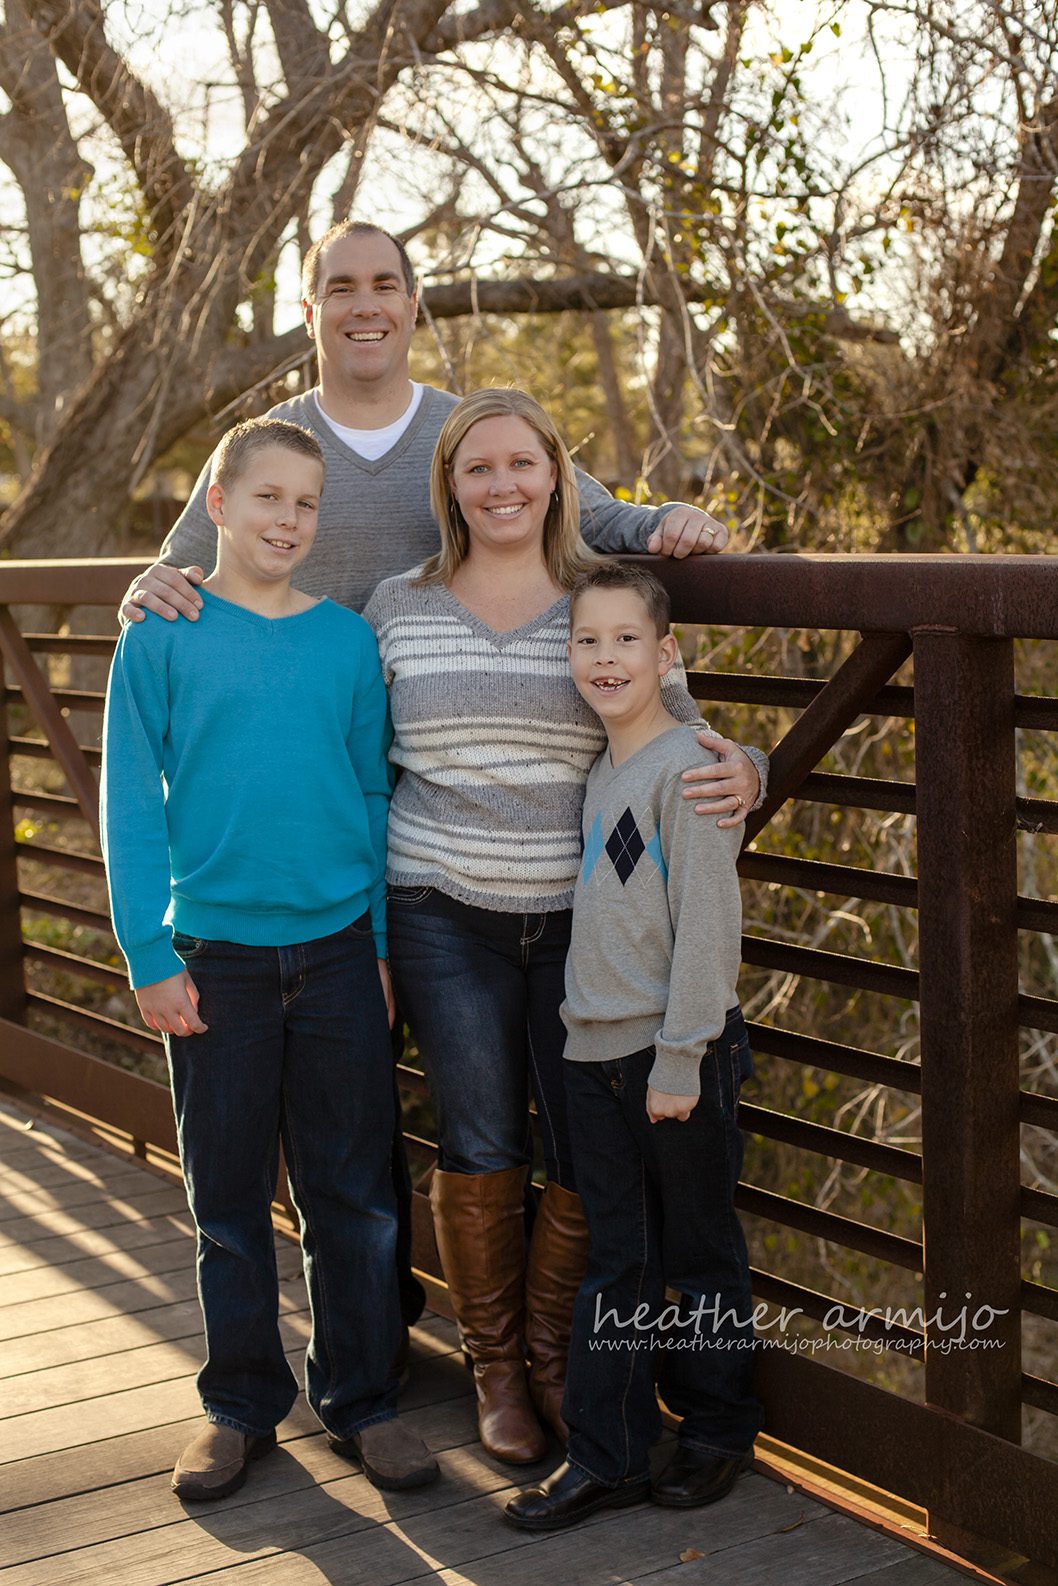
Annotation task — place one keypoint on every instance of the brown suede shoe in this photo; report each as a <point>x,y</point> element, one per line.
<point>392,1457</point>
<point>214,1463</point>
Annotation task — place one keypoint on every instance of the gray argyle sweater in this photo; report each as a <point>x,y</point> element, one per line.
<point>657,918</point>
<point>374,518</point>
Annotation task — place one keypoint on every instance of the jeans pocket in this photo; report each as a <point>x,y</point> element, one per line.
<point>360,928</point>
<point>188,947</point>
<point>408,897</point>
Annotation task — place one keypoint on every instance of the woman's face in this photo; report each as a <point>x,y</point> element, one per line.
<point>502,479</point>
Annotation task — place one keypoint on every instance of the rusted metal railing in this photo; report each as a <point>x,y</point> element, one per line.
<point>954,620</point>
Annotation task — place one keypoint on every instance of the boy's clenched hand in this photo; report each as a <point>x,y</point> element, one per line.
<point>661,1104</point>
<point>171,1006</point>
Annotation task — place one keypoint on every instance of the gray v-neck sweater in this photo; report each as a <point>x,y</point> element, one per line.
<point>657,918</point>
<point>374,519</point>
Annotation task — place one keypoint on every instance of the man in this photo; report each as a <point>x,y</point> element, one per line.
<point>377,429</point>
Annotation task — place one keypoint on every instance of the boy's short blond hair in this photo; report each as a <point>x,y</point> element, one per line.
<point>236,448</point>
<point>626,575</point>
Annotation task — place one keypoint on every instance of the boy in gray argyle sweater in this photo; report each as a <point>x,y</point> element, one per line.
<point>656,1052</point>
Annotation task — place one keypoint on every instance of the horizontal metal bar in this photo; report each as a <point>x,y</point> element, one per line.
<point>1039,1110</point>
<point>141,1039</point>
<point>141,1107</point>
<point>63,858</point>
<point>54,804</point>
<point>1039,1207</point>
<point>62,581</point>
<point>1040,1393</point>
<point>42,903</point>
<point>851,1060</point>
<point>995,597</point>
<point>1038,1299</point>
<point>1038,914</point>
<point>1036,710</point>
<point>1037,815</point>
<point>838,1230</point>
<point>889,980</point>
<point>32,749</point>
<point>846,881</point>
<point>70,643</point>
<point>72,964</point>
<point>65,698</point>
<point>836,1143</point>
<point>411,1080</point>
<point>822,1308</point>
<point>1038,1013</point>
<point>858,792</point>
<point>788,693</point>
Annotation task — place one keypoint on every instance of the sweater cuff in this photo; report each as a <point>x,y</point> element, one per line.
<point>763,765</point>
<point>157,960</point>
<point>674,1072</point>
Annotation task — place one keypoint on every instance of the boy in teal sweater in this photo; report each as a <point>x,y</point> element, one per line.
<point>656,1050</point>
<point>244,804</point>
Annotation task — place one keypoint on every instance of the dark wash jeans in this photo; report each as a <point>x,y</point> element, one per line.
<point>481,990</point>
<point>298,1049</point>
<point>660,1203</point>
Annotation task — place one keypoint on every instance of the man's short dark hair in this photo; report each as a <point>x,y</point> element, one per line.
<point>626,575</point>
<point>310,265</point>
<point>240,444</point>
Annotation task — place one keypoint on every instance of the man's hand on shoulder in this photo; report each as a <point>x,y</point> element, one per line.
<point>687,531</point>
<point>168,591</point>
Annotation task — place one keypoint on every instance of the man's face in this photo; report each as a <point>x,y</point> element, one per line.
<point>363,317</point>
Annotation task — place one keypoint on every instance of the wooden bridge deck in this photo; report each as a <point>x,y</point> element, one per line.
<point>101,1339</point>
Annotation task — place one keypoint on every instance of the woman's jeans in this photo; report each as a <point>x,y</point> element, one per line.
<point>481,990</point>
<point>297,1049</point>
<point>660,1204</point>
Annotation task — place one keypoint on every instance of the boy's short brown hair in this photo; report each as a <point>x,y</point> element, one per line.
<point>626,575</point>
<point>241,443</point>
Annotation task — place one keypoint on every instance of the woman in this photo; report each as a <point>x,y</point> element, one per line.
<point>495,745</point>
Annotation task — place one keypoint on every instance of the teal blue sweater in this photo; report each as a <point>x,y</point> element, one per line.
<point>271,737</point>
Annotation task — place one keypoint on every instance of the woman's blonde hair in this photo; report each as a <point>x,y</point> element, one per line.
<point>565,552</point>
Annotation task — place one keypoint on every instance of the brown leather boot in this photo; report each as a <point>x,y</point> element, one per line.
<point>558,1255</point>
<point>478,1219</point>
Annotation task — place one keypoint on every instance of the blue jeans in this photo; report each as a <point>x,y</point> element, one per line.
<point>660,1204</point>
<point>482,990</point>
<point>297,1049</point>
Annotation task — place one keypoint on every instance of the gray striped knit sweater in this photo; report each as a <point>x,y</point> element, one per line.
<point>494,745</point>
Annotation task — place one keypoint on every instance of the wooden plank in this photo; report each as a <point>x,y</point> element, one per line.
<point>56,1250</point>
<point>124,1283</point>
<point>469,1539</point>
<point>152,1451</point>
<point>335,1512</point>
<point>57,1386</point>
<point>305,1461</point>
<point>47,1431</point>
<point>69,1187</point>
<point>155,1201</point>
<point>827,1550</point>
<point>127,1410</point>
